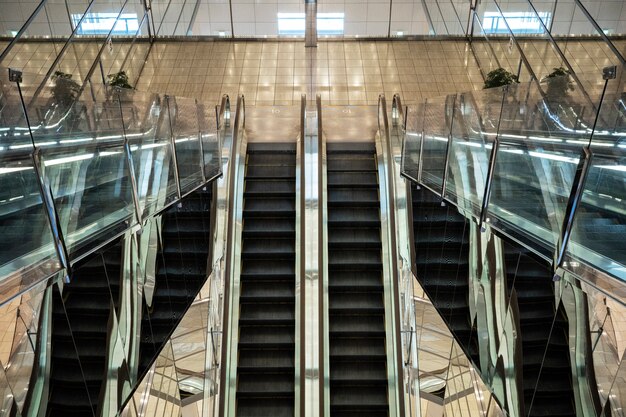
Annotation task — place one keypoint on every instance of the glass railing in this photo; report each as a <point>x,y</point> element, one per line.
<point>535,162</point>
<point>531,39</point>
<point>76,173</point>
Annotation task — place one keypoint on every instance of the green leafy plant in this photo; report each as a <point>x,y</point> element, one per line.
<point>559,83</point>
<point>119,79</point>
<point>500,77</point>
<point>65,90</point>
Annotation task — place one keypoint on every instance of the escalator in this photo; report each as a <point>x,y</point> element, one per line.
<point>442,250</point>
<point>357,357</point>
<point>266,349</point>
<point>544,330</point>
<point>80,325</point>
<point>181,270</point>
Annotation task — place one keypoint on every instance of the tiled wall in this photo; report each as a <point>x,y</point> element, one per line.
<point>277,73</point>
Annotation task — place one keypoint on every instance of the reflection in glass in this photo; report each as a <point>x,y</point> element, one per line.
<point>474,130</point>
<point>437,125</point>
<point>28,243</point>
<point>186,132</point>
<point>92,193</point>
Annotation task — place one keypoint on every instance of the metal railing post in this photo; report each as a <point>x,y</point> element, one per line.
<point>173,148</point>
<point>202,163</point>
<point>448,150</point>
<point>131,166</point>
<point>491,168</point>
<point>421,154</point>
<point>578,185</point>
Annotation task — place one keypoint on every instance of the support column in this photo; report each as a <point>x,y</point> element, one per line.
<point>310,30</point>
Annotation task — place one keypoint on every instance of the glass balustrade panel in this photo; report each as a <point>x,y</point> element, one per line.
<point>92,192</point>
<point>600,221</point>
<point>29,253</point>
<point>474,130</point>
<point>183,115</point>
<point>413,141</point>
<point>437,123</point>
<point>211,148</point>
<point>540,147</point>
<point>147,127</point>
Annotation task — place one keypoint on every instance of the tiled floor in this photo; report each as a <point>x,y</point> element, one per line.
<point>277,73</point>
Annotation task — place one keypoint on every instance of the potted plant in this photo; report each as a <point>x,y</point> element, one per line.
<point>119,79</point>
<point>120,85</point>
<point>500,77</point>
<point>65,90</point>
<point>65,93</point>
<point>559,84</point>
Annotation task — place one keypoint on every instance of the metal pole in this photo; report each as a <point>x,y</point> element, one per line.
<point>492,166</point>
<point>131,167</point>
<point>202,163</point>
<point>574,201</point>
<point>23,29</point>
<point>448,150</point>
<point>173,148</point>
<point>421,154</point>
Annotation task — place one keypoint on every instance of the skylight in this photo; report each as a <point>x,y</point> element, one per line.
<point>519,22</point>
<point>293,24</point>
<point>101,23</point>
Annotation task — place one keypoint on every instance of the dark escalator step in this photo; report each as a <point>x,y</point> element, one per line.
<point>552,406</point>
<point>87,326</point>
<point>426,238</point>
<point>346,325</point>
<point>339,163</point>
<point>279,336</point>
<point>342,259</point>
<point>356,302</point>
<point>351,148</point>
<point>355,238</point>
<point>271,148</point>
<point>270,172</point>
<point>353,217</point>
<point>258,248</point>
<point>353,180</point>
<point>341,281</point>
<point>269,290</point>
<point>264,269</point>
<point>338,197</point>
<point>187,225</point>
<point>537,312</point>
<point>358,373</point>
<point>267,313</point>
<point>268,360</point>
<point>535,334</point>
<point>269,207</point>
<point>265,407</point>
<point>270,187</point>
<point>350,347</point>
<point>265,384</point>
<point>271,159</point>
<point>95,303</point>
<point>272,227</point>
<point>74,399</point>
<point>346,398</point>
